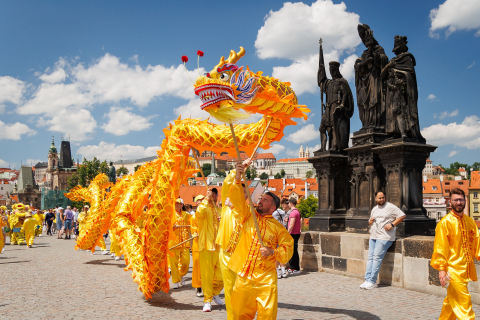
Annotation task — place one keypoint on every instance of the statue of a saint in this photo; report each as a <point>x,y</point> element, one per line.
<point>402,93</point>
<point>368,82</point>
<point>338,110</point>
<point>112,174</point>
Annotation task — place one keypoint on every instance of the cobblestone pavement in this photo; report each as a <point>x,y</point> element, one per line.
<point>53,281</point>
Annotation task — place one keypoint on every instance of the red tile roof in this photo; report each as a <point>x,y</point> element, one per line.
<point>428,186</point>
<point>452,184</point>
<point>188,193</point>
<point>267,155</point>
<point>293,160</point>
<point>475,180</point>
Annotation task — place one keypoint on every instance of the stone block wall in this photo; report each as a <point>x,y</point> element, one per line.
<point>406,264</point>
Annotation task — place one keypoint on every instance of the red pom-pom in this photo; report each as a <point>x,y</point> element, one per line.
<point>184,59</point>
<point>200,53</point>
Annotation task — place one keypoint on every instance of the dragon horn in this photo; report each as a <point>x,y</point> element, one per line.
<point>234,57</point>
<point>221,63</point>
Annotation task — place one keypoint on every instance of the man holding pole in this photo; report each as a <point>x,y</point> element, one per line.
<point>208,221</point>
<point>180,261</point>
<point>255,287</point>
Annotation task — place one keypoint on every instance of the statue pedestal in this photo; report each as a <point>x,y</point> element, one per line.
<point>332,174</point>
<point>366,176</point>
<point>403,163</point>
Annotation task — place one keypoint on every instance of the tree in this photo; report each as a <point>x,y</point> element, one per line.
<point>264,176</point>
<point>308,206</point>
<point>86,172</point>
<point>253,173</point>
<point>206,168</point>
<point>248,173</point>
<point>282,173</point>
<point>278,176</point>
<point>309,174</point>
<point>476,166</point>
<point>122,170</point>
<point>222,174</point>
<point>137,167</point>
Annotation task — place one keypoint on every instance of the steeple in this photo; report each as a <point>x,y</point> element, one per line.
<point>307,153</point>
<point>52,149</point>
<point>301,154</point>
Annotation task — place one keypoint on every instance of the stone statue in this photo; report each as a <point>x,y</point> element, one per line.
<point>368,82</point>
<point>401,93</point>
<point>112,174</point>
<point>337,112</point>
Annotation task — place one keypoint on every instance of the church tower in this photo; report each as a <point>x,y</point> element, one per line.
<point>52,156</point>
<point>301,154</point>
<point>307,153</point>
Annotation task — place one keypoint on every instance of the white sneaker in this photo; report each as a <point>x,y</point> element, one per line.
<point>362,286</point>
<point>370,286</point>
<point>217,300</point>
<point>285,274</point>
<point>183,281</point>
<point>113,255</point>
<point>279,274</point>
<point>121,257</point>
<point>199,292</point>
<point>295,271</point>
<point>207,307</point>
<point>175,285</point>
<point>117,258</point>
<point>104,252</point>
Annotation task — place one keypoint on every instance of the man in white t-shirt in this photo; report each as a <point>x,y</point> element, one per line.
<point>384,218</point>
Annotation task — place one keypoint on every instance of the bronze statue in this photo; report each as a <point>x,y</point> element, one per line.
<point>401,93</point>
<point>337,112</point>
<point>112,174</point>
<point>368,82</point>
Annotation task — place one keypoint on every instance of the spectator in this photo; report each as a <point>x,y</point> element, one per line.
<point>384,218</point>
<point>295,229</point>
<point>279,214</point>
<point>69,215</point>
<point>49,219</point>
<point>59,219</point>
<point>286,208</point>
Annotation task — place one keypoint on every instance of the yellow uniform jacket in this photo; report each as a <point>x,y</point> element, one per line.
<point>181,234</point>
<point>456,246</point>
<point>207,221</point>
<point>29,226</point>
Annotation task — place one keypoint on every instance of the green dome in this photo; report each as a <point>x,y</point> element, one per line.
<point>52,149</point>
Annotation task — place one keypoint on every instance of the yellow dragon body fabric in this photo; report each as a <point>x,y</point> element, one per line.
<point>151,191</point>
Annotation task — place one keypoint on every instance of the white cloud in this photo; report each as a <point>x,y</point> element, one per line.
<point>4,164</point>
<point>452,153</point>
<point>293,153</point>
<point>78,124</point>
<point>432,97</point>
<point>315,148</point>
<point>275,149</point>
<point>32,162</point>
<point>293,33</point>
<point>463,134</point>
<point>472,64</point>
<point>110,151</point>
<point>11,90</point>
<point>305,134</point>
<point>134,58</point>
<point>455,15</point>
<point>15,131</point>
<point>446,114</point>
<point>122,121</point>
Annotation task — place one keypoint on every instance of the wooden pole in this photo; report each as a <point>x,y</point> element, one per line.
<point>252,209</point>
<point>261,139</point>
<point>178,244</point>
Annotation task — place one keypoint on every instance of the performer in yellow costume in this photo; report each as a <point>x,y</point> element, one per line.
<point>40,217</point>
<point>16,221</point>
<point>114,247</point>
<point>227,238</point>
<point>255,288</point>
<point>29,228</point>
<point>180,261</point>
<point>196,275</point>
<point>3,223</point>
<point>455,248</point>
<point>208,221</point>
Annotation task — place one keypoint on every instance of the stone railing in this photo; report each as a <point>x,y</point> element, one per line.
<point>406,264</point>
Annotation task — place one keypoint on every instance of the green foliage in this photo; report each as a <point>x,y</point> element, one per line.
<point>253,173</point>
<point>248,173</point>
<point>278,176</point>
<point>282,173</point>
<point>309,174</point>
<point>222,174</point>
<point>206,168</point>
<point>122,170</point>
<point>264,176</point>
<point>86,172</point>
<point>308,206</point>
<point>137,167</point>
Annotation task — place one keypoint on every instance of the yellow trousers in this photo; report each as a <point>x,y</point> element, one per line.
<point>196,276</point>
<point>38,231</point>
<point>179,263</point>
<point>212,283</point>
<point>251,297</point>
<point>458,303</point>
<point>229,278</point>
<point>114,247</point>
<point>29,237</point>
<point>17,238</point>
<point>103,246</point>
<point>2,240</point>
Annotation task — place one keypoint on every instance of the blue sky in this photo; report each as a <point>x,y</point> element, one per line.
<point>109,74</point>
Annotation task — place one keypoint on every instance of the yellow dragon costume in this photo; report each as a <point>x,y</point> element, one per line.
<point>224,91</point>
<point>16,222</point>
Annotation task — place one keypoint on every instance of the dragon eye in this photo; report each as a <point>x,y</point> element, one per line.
<point>224,77</point>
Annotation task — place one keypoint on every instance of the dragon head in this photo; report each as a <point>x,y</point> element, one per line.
<point>227,88</point>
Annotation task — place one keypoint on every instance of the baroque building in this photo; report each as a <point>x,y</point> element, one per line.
<point>60,167</point>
